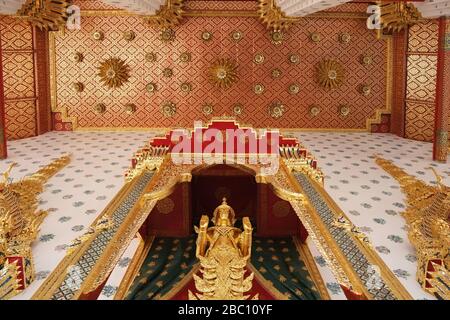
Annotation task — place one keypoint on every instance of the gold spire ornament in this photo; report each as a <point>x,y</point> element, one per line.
<point>223,251</point>
<point>114,72</point>
<point>428,219</point>
<point>330,73</point>
<point>19,225</point>
<point>223,73</point>
<point>45,14</point>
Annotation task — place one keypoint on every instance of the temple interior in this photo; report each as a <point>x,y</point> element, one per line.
<point>224,150</point>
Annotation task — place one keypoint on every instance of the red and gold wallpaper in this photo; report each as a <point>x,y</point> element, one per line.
<point>421,80</point>
<point>18,78</point>
<point>255,40</point>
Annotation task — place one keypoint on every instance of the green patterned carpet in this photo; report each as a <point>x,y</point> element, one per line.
<point>171,259</point>
<point>279,262</point>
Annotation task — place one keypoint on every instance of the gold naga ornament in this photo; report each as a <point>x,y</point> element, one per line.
<point>223,251</point>
<point>19,225</point>
<point>45,14</point>
<point>114,72</point>
<point>428,219</point>
<point>223,73</point>
<point>330,73</point>
<point>272,16</point>
<point>168,16</point>
<point>395,16</point>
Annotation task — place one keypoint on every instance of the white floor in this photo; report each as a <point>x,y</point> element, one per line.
<point>369,196</point>
<point>79,192</point>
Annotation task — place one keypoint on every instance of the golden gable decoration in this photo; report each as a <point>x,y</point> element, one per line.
<point>223,73</point>
<point>169,15</point>
<point>330,73</point>
<point>427,216</point>
<point>19,226</point>
<point>114,72</point>
<point>45,14</point>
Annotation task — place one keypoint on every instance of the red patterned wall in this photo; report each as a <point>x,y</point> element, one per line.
<point>421,80</point>
<point>255,40</point>
<point>18,78</point>
<point>397,120</point>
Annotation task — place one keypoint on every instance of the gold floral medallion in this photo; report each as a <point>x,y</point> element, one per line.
<point>277,37</point>
<point>207,109</point>
<point>315,37</point>
<point>98,35</point>
<point>100,108</point>
<point>185,57</point>
<point>169,109</point>
<point>78,86</point>
<point>167,72</point>
<point>344,110</point>
<point>294,58</point>
<point>151,87</point>
<point>345,37</point>
<point>330,73</point>
<point>130,108</point>
<point>259,58</point>
<point>365,90</point>
<point>114,72</point>
<point>276,110</point>
<point>129,35</point>
<point>258,88</point>
<point>186,87</point>
<point>150,57</point>
<point>167,35</point>
<point>236,35</point>
<point>223,73</point>
<point>238,109</point>
<point>294,88</point>
<point>276,73</point>
<point>77,57</point>
<point>206,36</point>
<point>366,60</point>
<point>314,110</point>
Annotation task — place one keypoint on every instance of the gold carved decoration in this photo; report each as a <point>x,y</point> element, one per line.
<point>130,108</point>
<point>151,87</point>
<point>19,226</point>
<point>294,88</point>
<point>276,110</point>
<point>294,58</point>
<point>151,57</point>
<point>366,60</point>
<point>98,35</point>
<point>207,109</point>
<point>167,72</point>
<point>165,206</point>
<point>258,88</point>
<point>223,73</point>
<point>45,14</point>
<point>259,58</point>
<point>167,35</point>
<point>345,37</point>
<point>237,35</point>
<point>277,37</point>
<point>272,16</point>
<point>365,89</point>
<point>114,72</point>
<point>395,16</point>
<point>315,37</point>
<point>276,73</point>
<point>169,15</point>
<point>186,87</point>
<point>206,36</point>
<point>185,57</point>
<point>129,35</point>
<point>77,57</point>
<point>100,108</point>
<point>330,73</point>
<point>78,86</point>
<point>223,251</point>
<point>238,109</point>
<point>427,217</point>
<point>314,110</point>
<point>344,110</point>
<point>169,109</point>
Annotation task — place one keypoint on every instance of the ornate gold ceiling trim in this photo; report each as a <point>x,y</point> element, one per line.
<point>227,13</point>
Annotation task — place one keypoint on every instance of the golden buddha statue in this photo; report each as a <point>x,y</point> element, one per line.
<point>223,251</point>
